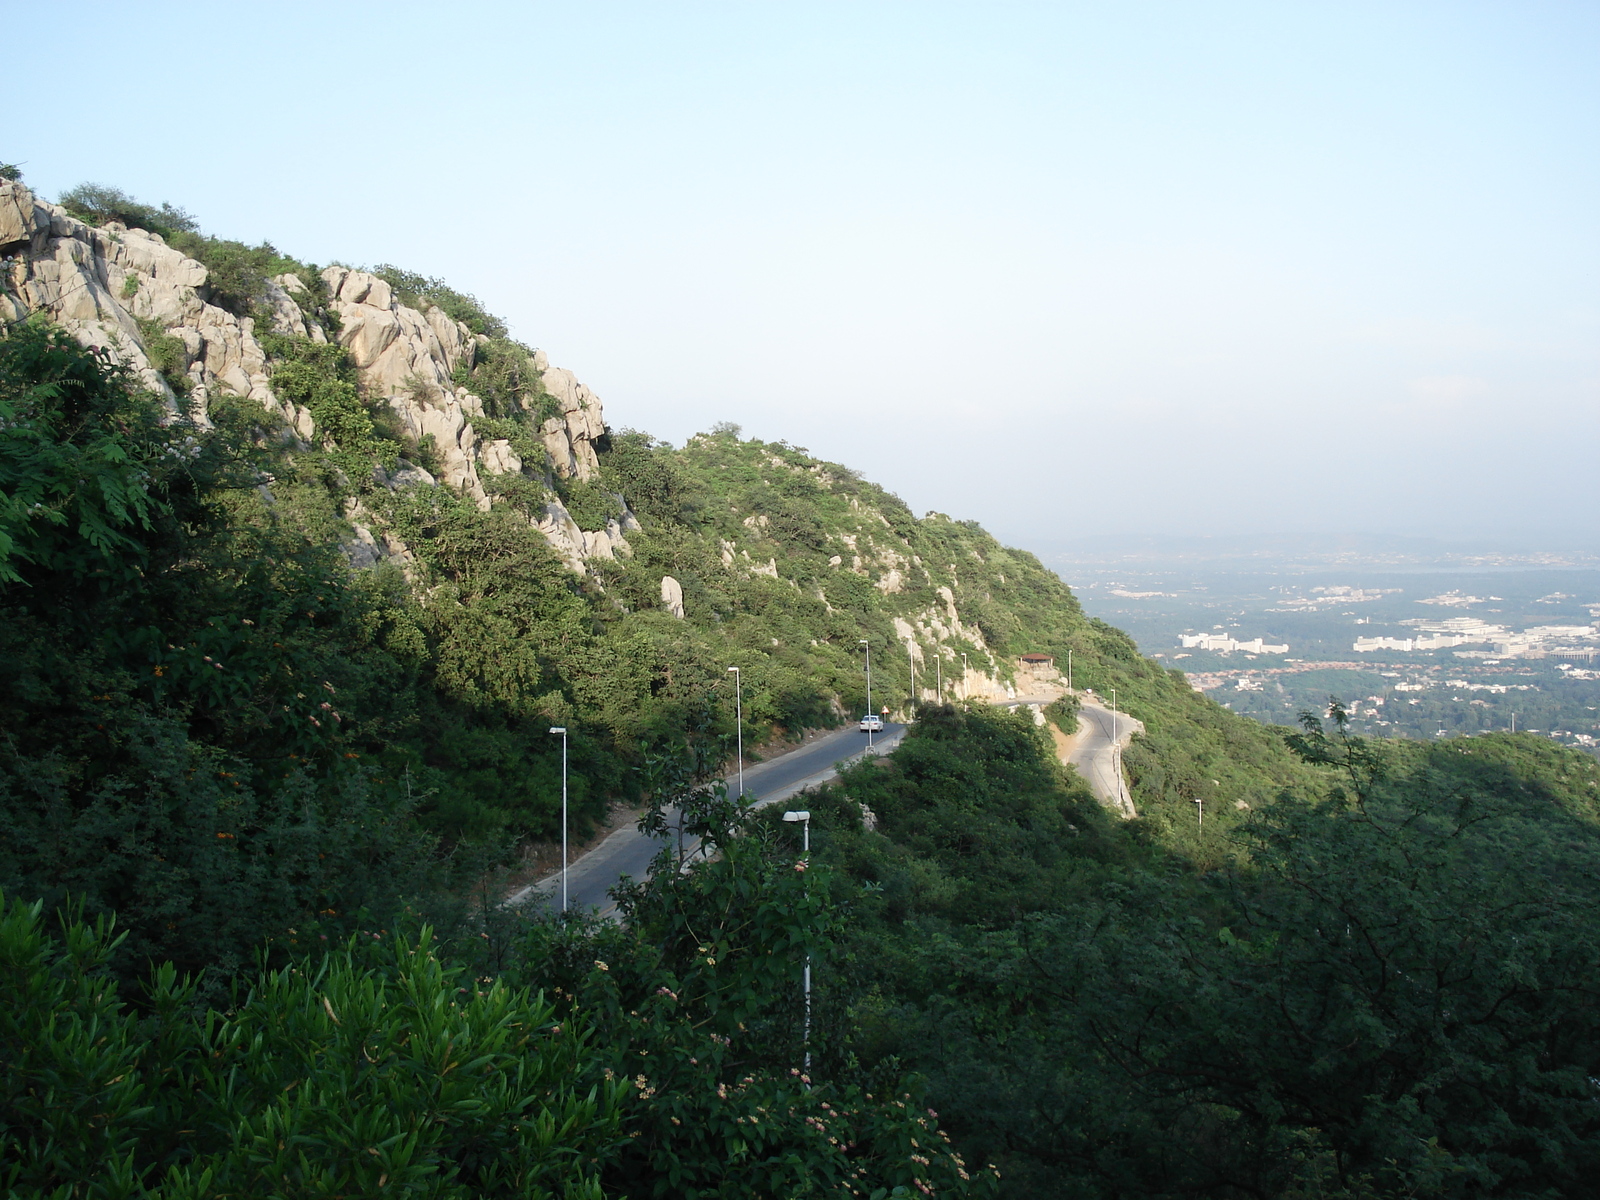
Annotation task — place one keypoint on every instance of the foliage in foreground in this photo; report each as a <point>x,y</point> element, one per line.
<point>1389,991</point>
<point>369,1069</point>
<point>655,1059</point>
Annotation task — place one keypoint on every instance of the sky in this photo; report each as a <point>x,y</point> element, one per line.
<point>1067,269</point>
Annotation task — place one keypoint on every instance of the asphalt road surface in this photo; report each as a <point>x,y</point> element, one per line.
<point>628,852</point>
<point>1098,754</point>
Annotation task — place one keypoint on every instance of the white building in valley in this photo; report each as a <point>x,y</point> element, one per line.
<point>1221,643</point>
<point>1541,641</point>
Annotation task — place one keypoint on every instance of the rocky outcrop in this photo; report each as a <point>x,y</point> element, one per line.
<point>672,596</point>
<point>570,438</point>
<point>973,679</point>
<point>108,285</point>
<point>577,546</point>
<point>99,283</point>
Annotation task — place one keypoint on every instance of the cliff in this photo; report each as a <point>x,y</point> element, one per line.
<point>117,288</point>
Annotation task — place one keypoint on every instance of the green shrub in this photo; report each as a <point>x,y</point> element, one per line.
<point>372,1068</point>
<point>590,504</point>
<point>1064,712</point>
<point>167,355</point>
<point>321,377</point>
<point>237,274</point>
<point>420,292</point>
<point>503,376</point>
<point>521,432</point>
<point>96,203</point>
<point>76,448</point>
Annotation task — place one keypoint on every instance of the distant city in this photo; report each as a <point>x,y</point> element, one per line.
<point>1428,653</point>
<point>1538,641</point>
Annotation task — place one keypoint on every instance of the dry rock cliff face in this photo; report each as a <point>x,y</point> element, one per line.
<point>99,283</point>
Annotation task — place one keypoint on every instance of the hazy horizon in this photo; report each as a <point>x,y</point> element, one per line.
<point>1065,269</point>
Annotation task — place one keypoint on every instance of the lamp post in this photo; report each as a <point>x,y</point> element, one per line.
<point>562,730</point>
<point>868,645</point>
<point>938,677</point>
<point>803,816</point>
<point>1069,669</point>
<point>911,658</point>
<point>964,671</point>
<point>738,708</point>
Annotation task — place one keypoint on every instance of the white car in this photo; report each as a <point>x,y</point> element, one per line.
<point>871,723</point>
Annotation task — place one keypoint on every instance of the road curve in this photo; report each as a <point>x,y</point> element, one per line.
<point>591,876</point>
<point>1096,750</point>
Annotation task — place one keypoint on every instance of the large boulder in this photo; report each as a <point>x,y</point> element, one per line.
<point>672,596</point>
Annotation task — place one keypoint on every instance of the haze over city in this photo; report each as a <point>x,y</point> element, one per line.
<point>1061,268</point>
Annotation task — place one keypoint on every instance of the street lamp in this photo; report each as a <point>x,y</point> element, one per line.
<point>738,701</point>
<point>1069,670</point>
<point>868,645</point>
<point>562,730</point>
<point>938,676</point>
<point>803,816</point>
<point>911,657</point>
<point>964,670</point>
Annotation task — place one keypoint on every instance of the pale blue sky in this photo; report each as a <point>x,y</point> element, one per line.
<point>1062,268</point>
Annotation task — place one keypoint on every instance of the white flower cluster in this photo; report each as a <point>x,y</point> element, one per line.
<point>185,451</point>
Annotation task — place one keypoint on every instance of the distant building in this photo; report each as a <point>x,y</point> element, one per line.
<point>1366,645</point>
<point>1221,643</point>
<point>1539,642</point>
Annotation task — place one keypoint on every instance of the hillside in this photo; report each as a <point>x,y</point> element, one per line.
<point>551,568</point>
<point>298,567</point>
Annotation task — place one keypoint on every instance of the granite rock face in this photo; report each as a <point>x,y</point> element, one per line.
<point>113,287</point>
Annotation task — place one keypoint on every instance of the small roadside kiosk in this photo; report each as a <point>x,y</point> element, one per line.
<point>1038,667</point>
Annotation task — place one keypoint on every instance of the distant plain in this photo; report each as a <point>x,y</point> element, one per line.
<point>1437,693</point>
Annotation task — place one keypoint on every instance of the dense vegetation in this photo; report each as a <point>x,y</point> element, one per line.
<point>206,738</point>
<point>1389,991</point>
<point>250,799</point>
<point>522,1059</point>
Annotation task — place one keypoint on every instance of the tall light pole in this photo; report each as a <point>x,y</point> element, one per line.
<point>562,730</point>
<point>804,817</point>
<point>1069,669</point>
<point>738,702</point>
<point>868,645</point>
<point>964,672</point>
<point>938,676</point>
<point>911,657</point>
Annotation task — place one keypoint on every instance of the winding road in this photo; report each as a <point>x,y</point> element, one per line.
<point>1096,750</point>
<point>628,852</point>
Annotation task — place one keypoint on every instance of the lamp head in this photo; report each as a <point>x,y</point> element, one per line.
<point>558,729</point>
<point>733,670</point>
<point>802,815</point>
